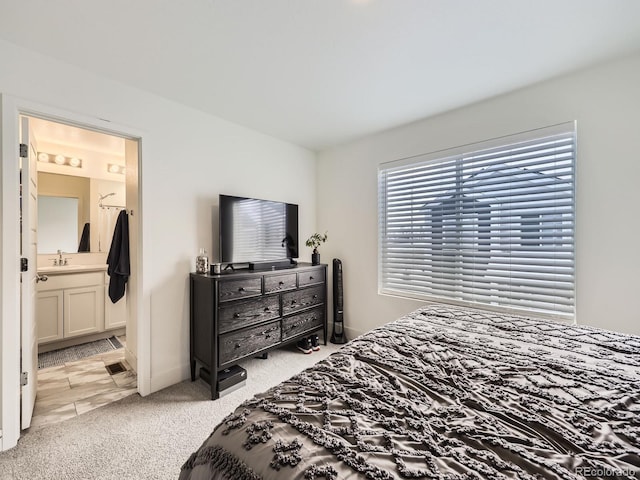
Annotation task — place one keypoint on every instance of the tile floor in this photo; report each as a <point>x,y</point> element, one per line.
<point>77,387</point>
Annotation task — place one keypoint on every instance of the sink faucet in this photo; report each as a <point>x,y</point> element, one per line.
<point>61,261</point>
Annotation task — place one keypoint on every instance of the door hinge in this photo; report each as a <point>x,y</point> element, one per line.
<point>24,264</point>
<point>24,151</point>
<point>24,379</point>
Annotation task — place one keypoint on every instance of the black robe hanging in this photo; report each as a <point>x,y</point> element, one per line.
<point>85,239</point>
<point>118,258</point>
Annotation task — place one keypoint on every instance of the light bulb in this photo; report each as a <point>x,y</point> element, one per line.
<point>74,162</point>
<point>59,159</point>
<point>43,157</point>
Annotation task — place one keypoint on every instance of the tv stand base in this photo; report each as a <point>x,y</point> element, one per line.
<point>271,265</point>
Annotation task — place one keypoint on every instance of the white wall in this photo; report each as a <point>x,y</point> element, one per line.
<point>188,158</point>
<point>605,101</point>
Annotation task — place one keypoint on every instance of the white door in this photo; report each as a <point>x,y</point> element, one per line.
<point>28,243</point>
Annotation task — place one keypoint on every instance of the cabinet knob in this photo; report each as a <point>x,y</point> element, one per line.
<point>266,309</point>
<point>315,296</point>
<point>280,283</point>
<point>237,345</point>
<point>293,302</point>
<point>241,289</point>
<point>310,277</point>
<point>236,315</point>
<point>268,335</point>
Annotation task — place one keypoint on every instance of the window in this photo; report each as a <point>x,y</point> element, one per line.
<point>490,223</point>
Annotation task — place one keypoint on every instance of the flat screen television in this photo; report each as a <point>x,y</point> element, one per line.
<point>254,230</point>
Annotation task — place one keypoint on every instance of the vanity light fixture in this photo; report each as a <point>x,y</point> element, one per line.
<point>60,159</point>
<point>115,168</point>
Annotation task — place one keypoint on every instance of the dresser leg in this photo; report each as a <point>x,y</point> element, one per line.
<point>193,370</point>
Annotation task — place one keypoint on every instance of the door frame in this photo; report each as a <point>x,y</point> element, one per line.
<point>12,107</point>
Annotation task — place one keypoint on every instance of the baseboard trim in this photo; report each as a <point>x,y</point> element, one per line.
<point>170,377</point>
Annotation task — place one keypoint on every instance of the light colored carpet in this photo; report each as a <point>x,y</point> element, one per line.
<point>143,438</point>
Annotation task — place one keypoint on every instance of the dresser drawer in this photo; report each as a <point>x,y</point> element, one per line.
<point>300,299</point>
<point>240,344</point>
<point>302,322</point>
<point>311,277</point>
<point>279,283</point>
<point>242,288</point>
<point>236,315</point>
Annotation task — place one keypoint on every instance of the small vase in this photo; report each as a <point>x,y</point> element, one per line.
<point>315,259</point>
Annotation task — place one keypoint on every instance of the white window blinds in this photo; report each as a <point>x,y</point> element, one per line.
<point>490,223</point>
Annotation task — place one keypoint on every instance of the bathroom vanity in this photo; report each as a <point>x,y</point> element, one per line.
<point>73,306</point>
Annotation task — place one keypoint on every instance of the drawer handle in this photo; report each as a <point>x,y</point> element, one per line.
<point>280,283</point>
<point>241,289</point>
<point>266,309</point>
<point>293,302</point>
<point>310,277</point>
<point>314,297</point>
<point>268,335</point>
<point>237,345</point>
<point>300,323</point>
<point>236,315</point>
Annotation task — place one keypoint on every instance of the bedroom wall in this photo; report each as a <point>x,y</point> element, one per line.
<point>188,158</point>
<point>604,100</point>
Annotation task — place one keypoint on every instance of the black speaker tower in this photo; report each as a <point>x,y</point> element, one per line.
<point>338,335</point>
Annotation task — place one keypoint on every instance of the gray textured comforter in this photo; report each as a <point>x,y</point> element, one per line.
<point>446,393</point>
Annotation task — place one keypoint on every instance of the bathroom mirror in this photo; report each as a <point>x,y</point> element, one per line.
<point>77,214</point>
<point>57,224</point>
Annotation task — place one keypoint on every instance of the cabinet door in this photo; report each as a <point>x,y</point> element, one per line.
<point>115,314</point>
<point>49,315</point>
<point>83,310</point>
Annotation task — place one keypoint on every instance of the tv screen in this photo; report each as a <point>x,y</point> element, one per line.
<point>254,230</point>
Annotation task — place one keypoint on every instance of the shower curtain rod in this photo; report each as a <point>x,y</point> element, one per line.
<point>112,206</point>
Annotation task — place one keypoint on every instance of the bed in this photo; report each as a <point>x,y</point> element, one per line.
<point>444,393</point>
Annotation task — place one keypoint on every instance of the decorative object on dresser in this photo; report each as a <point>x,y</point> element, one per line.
<point>202,262</point>
<point>315,241</point>
<point>243,313</point>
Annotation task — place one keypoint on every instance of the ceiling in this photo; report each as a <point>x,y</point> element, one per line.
<point>319,73</point>
<point>69,138</point>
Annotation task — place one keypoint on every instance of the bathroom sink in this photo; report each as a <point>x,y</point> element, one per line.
<point>71,269</point>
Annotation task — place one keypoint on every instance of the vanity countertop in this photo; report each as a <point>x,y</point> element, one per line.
<point>72,269</point>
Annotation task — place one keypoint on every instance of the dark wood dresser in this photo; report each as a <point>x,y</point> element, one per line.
<point>246,313</point>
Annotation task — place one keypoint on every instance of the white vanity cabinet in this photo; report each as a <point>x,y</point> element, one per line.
<point>49,315</point>
<point>115,314</point>
<point>69,305</point>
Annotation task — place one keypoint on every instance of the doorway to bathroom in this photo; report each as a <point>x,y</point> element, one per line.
<point>85,330</point>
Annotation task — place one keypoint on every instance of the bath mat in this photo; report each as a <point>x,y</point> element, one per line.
<point>77,352</point>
